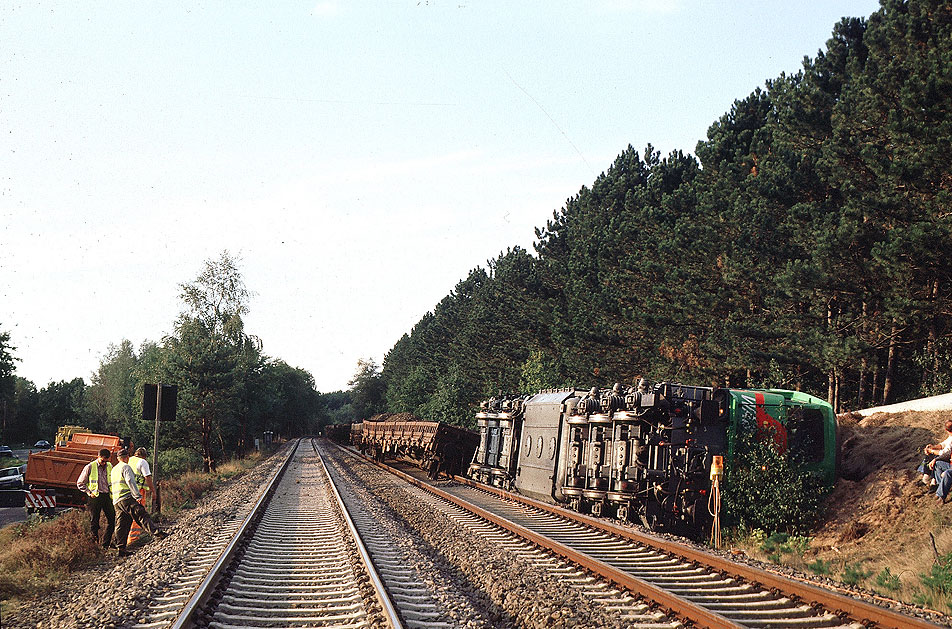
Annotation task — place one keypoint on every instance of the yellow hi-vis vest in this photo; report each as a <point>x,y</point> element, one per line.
<point>134,463</point>
<point>118,486</point>
<point>93,482</point>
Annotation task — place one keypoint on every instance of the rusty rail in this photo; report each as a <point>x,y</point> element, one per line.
<point>836,603</point>
<point>839,604</point>
<point>675,605</point>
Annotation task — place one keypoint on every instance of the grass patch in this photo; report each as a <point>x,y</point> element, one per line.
<point>183,491</point>
<point>888,581</point>
<point>820,567</point>
<point>7,461</point>
<point>37,554</point>
<point>854,574</point>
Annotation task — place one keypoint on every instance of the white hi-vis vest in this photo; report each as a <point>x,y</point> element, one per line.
<point>118,486</point>
<point>134,462</point>
<point>93,482</point>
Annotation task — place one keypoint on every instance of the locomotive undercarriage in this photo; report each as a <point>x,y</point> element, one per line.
<point>645,456</point>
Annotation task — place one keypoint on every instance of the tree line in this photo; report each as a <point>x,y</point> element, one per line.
<point>229,391</point>
<point>803,245</point>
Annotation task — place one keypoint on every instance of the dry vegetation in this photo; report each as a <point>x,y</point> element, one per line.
<point>35,555</point>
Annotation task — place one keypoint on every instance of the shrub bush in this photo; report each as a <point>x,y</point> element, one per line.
<point>178,461</point>
<point>184,490</point>
<point>36,555</point>
<point>767,490</point>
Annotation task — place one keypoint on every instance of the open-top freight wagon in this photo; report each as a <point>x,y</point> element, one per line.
<point>434,446</point>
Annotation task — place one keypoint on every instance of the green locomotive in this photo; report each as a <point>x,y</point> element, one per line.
<point>645,453</point>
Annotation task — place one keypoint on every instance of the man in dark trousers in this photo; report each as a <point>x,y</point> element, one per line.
<point>125,497</point>
<point>94,482</point>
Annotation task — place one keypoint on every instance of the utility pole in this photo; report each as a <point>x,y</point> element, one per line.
<point>159,403</point>
<point>157,498</point>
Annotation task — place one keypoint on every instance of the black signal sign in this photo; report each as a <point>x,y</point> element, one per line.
<point>150,396</point>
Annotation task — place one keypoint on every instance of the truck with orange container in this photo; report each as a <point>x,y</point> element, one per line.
<point>51,475</point>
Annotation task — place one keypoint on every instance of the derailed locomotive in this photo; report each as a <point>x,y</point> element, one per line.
<point>643,453</point>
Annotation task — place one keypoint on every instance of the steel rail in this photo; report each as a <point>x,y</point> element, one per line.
<point>677,606</point>
<point>207,586</point>
<point>855,609</point>
<point>839,604</point>
<point>381,591</point>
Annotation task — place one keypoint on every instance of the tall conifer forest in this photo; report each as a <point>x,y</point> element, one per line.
<point>805,245</point>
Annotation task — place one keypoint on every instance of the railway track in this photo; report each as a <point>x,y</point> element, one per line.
<point>698,587</point>
<point>616,607</point>
<point>295,560</point>
<point>322,547</point>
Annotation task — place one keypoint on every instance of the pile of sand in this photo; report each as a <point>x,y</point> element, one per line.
<point>880,513</point>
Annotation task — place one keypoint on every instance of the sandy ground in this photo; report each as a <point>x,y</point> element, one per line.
<point>880,513</point>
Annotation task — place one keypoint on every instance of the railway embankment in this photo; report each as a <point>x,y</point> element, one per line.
<point>884,531</point>
<point>111,592</point>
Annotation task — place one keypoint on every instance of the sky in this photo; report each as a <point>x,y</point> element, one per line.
<point>357,158</point>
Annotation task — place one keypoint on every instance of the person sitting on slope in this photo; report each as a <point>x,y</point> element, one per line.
<point>937,471</point>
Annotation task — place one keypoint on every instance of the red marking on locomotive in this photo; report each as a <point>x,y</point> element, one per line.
<point>767,424</point>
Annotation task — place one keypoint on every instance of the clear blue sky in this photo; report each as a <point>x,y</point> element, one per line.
<point>359,158</point>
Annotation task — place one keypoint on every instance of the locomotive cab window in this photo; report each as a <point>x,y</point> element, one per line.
<point>805,430</point>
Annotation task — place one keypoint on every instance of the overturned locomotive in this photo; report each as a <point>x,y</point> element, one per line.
<point>642,453</point>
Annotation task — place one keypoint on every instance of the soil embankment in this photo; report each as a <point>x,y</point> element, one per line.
<point>880,513</point>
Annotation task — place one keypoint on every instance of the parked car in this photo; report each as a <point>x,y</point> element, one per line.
<point>5,451</point>
<point>11,478</point>
<point>43,444</point>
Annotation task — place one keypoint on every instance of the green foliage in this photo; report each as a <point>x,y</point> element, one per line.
<point>178,461</point>
<point>367,390</point>
<point>888,581</point>
<point>939,579</point>
<point>785,544</point>
<point>538,373</point>
<point>854,574</point>
<point>758,538</point>
<point>765,489</point>
<point>58,404</point>
<point>336,408</point>
<point>802,248</point>
<point>821,567</point>
<point>7,378</point>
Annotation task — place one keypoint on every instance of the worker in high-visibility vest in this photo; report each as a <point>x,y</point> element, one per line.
<point>143,474</point>
<point>94,482</point>
<point>125,497</point>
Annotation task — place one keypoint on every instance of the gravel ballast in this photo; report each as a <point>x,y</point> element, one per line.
<point>115,593</point>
